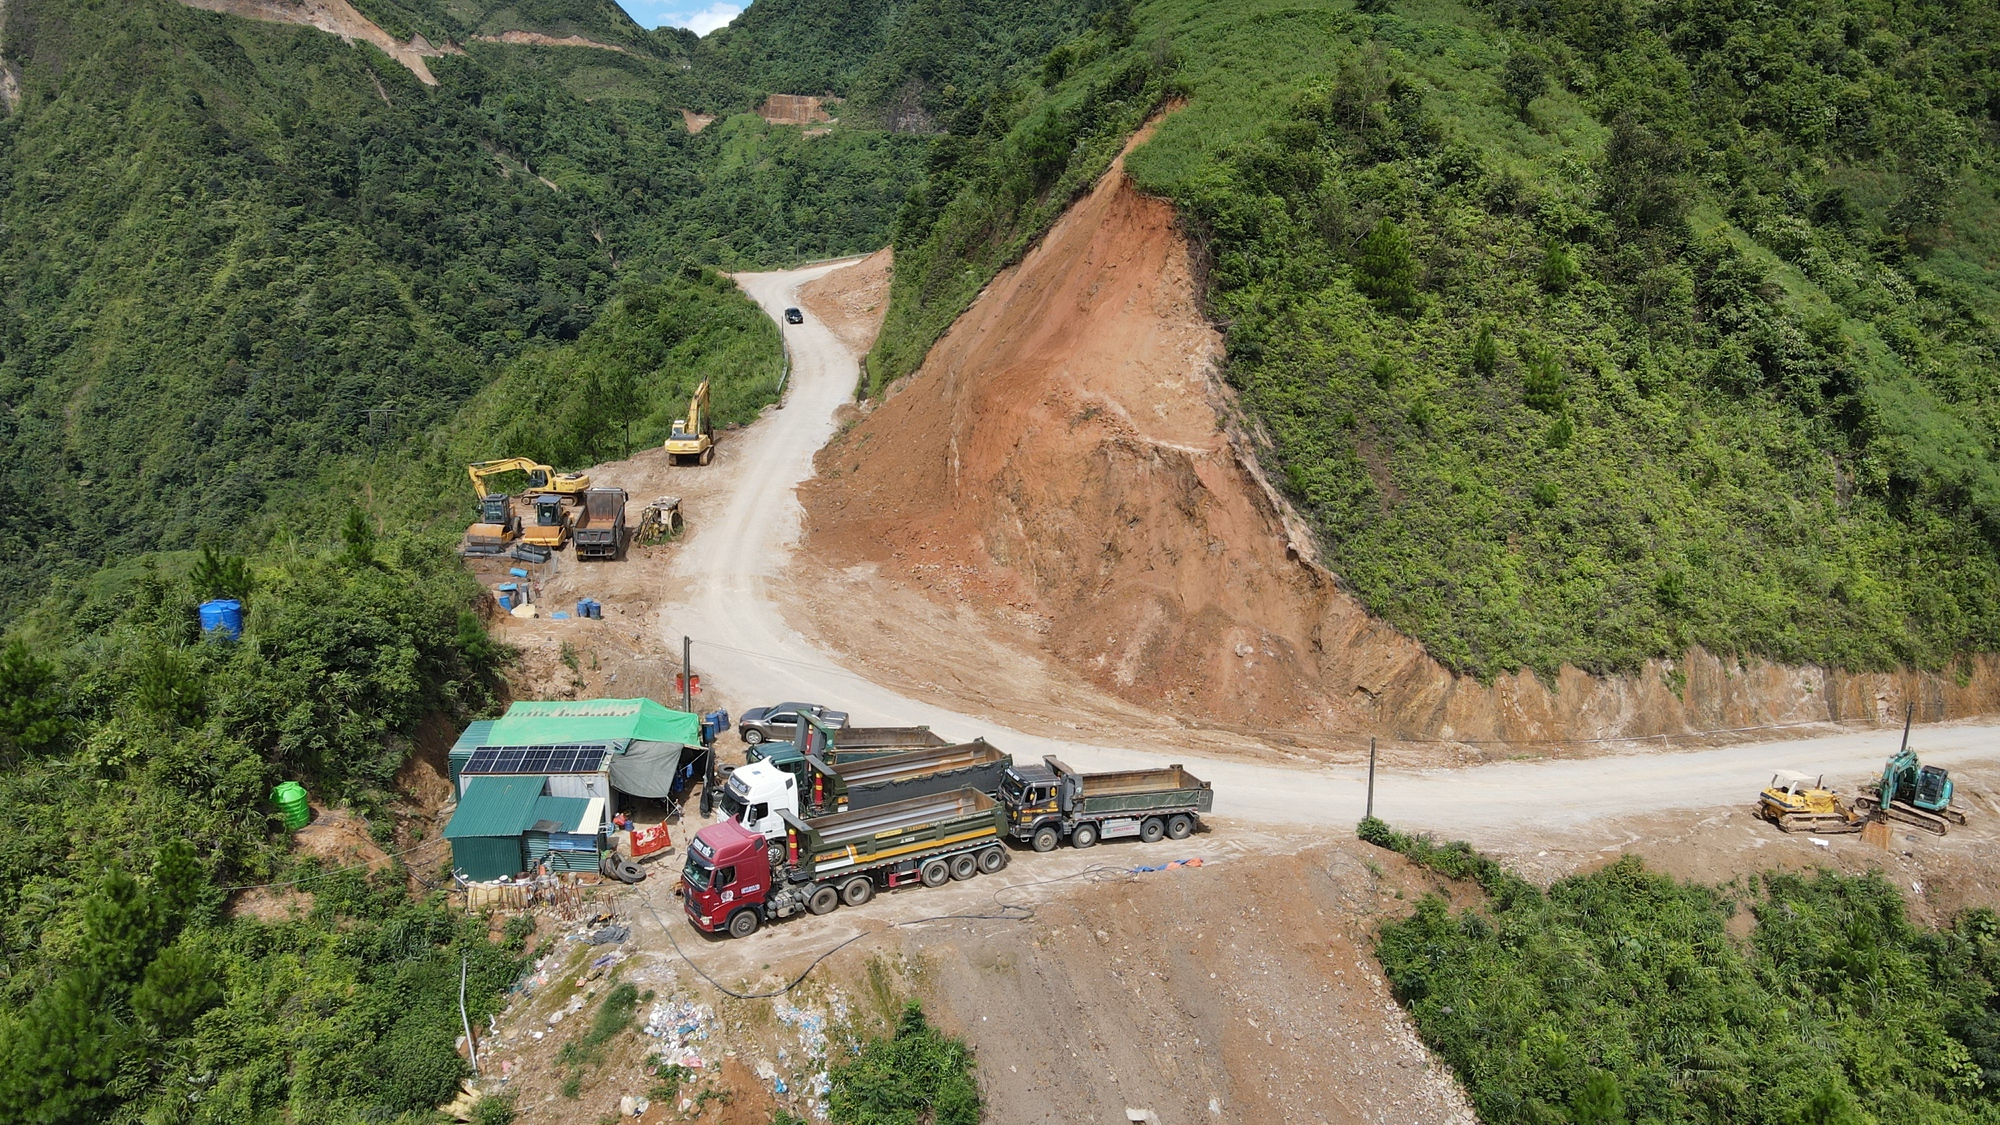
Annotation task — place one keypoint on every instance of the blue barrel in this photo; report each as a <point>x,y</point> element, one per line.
<point>224,616</point>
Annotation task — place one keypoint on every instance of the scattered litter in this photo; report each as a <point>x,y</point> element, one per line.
<point>631,1106</point>
<point>610,935</point>
<point>1819,843</point>
<point>1169,866</point>
<point>558,615</point>
<point>523,611</point>
<point>679,1025</point>
<point>608,960</point>
<point>1917,886</point>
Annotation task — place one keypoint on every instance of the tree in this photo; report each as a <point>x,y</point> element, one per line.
<point>357,536</point>
<point>1559,269</point>
<point>217,575</point>
<point>1645,174</point>
<point>32,702</point>
<point>1525,78</point>
<point>1485,352</point>
<point>1599,1102</point>
<point>1388,271</point>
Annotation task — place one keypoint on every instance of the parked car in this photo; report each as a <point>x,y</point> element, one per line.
<point>794,316</point>
<point>778,722</point>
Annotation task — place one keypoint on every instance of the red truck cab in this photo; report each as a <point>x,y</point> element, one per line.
<point>726,879</point>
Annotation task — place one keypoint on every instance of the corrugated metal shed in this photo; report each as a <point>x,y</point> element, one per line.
<point>496,806</point>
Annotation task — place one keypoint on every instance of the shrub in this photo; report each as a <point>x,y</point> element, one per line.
<point>1386,271</point>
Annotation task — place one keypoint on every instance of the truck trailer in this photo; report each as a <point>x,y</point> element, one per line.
<point>808,787</point>
<point>838,745</point>
<point>735,881</point>
<point>1050,802</point>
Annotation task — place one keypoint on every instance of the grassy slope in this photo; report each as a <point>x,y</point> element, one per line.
<point>1741,387</point>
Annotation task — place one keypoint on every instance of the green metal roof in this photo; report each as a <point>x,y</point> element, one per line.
<point>496,806</point>
<point>559,722</point>
<point>473,737</point>
<point>565,811</point>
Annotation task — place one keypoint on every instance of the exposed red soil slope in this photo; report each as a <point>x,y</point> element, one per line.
<point>340,18</point>
<point>1066,451</point>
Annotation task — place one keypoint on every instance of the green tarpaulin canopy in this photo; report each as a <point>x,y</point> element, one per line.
<point>559,722</point>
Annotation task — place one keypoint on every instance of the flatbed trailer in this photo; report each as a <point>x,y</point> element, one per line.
<point>735,880</point>
<point>1050,802</point>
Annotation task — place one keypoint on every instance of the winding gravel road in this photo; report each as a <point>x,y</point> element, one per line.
<point>726,596</point>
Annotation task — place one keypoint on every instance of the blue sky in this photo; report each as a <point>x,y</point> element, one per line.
<point>702,17</point>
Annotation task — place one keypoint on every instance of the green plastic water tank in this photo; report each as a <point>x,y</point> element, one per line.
<point>291,799</point>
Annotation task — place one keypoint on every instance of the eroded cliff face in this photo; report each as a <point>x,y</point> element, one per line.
<point>1067,454</point>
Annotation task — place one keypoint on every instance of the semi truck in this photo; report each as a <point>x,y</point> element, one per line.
<point>807,787</point>
<point>733,883</point>
<point>1050,802</point>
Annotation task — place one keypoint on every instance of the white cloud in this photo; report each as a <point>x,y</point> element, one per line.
<point>668,13</point>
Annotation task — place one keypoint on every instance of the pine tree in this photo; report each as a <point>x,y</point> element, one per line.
<point>1388,271</point>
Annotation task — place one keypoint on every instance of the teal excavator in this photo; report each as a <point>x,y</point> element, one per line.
<point>1912,792</point>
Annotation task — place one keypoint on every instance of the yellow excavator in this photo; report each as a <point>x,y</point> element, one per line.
<point>498,526</point>
<point>693,438</point>
<point>542,480</point>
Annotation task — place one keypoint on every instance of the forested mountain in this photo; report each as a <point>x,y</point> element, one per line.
<point>262,293</point>
<point>1583,333</point>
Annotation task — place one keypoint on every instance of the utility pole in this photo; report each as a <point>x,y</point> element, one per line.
<point>687,704</point>
<point>1371,779</point>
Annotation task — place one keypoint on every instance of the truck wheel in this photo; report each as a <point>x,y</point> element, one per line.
<point>1150,830</point>
<point>964,866</point>
<point>935,873</point>
<point>992,859</point>
<point>823,900</point>
<point>775,852</point>
<point>857,890</point>
<point>1083,836</point>
<point>1180,826</point>
<point>1046,839</point>
<point>752,736</point>
<point>743,923</point>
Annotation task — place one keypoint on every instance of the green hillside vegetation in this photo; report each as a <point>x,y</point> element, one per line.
<point>1583,334</point>
<point>1622,995</point>
<point>137,762</point>
<point>236,256</point>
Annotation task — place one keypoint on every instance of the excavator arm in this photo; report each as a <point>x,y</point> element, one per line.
<point>541,478</point>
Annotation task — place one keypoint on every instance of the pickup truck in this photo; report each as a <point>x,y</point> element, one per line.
<point>1048,802</point>
<point>780,721</point>
<point>735,880</point>
<point>807,787</point>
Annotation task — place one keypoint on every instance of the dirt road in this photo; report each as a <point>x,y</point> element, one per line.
<point>729,597</point>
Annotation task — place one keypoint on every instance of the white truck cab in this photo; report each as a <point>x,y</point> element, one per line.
<point>756,794</point>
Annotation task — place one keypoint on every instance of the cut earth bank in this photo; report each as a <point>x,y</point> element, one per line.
<point>1068,464</point>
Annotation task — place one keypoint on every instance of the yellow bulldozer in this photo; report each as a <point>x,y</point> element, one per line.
<point>693,438</point>
<point>1801,802</point>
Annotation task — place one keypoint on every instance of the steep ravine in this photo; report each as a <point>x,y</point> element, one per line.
<point>1067,455</point>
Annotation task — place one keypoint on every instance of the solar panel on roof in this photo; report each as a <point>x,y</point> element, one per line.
<point>536,759</point>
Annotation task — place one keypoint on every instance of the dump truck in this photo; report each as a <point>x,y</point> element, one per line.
<point>808,787</point>
<point>600,529</point>
<point>735,880</point>
<point>1048,802</point>
<point>1801,802</point>
<point>835,744</point>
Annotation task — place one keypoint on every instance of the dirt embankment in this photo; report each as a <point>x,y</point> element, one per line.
<point>537,39</point>
<point>794,109</point>
<point>853,301</point>
<point>1067,460</point>
<point>340,18</point>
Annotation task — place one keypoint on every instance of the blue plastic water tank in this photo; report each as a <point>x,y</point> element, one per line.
<point>223,615</point>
